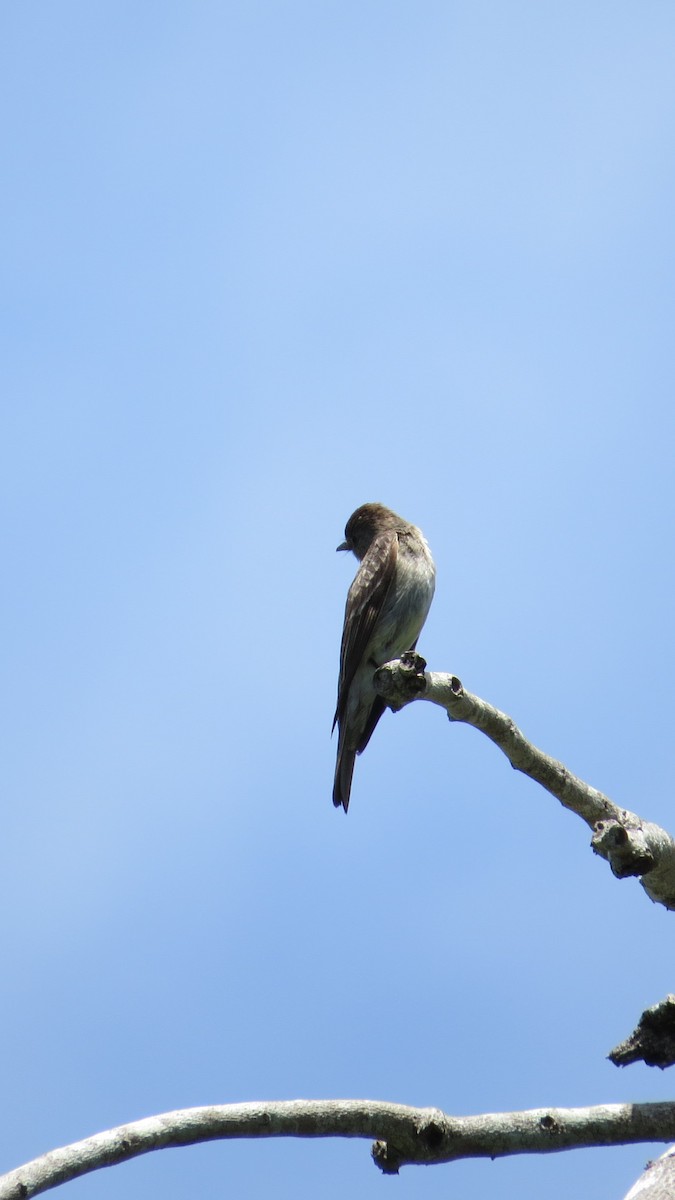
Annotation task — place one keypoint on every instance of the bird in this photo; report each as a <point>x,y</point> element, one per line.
<point>387,605</point>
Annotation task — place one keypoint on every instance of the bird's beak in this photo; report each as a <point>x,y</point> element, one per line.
<point>344,546</point>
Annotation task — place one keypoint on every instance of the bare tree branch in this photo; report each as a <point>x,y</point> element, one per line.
<point>653,1041</point>
<point>631,846</point>
<point>657,1181</point>
<point>405,1135</point>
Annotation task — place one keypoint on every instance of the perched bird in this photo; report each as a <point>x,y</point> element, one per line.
<point>387,606</point>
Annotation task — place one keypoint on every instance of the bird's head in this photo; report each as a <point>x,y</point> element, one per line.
<point>367,523</point>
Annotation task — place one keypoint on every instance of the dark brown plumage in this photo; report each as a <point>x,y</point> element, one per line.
<point>386,608</point>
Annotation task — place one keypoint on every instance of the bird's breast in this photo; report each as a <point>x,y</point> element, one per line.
<point>407,605</point>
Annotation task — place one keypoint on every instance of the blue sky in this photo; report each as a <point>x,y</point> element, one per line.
<point>262,263</point>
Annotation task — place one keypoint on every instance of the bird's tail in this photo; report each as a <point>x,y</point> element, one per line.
<point>344,769</point>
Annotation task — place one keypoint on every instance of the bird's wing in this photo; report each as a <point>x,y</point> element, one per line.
<point>364,605</point>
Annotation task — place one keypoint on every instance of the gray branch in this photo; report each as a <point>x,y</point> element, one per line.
<point>631,846</point>
<point>404,1135</point>
<point>657,1181</point>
